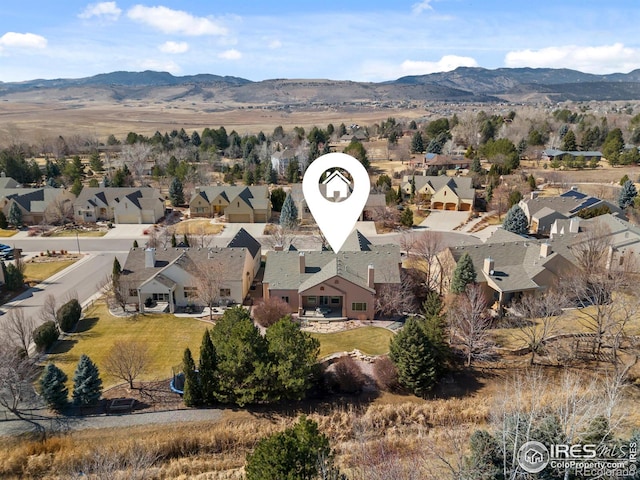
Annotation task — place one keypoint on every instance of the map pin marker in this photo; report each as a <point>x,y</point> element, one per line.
<point>336,219</point>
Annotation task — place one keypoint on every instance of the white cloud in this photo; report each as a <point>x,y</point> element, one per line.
<point>174,47</point>
<point>175,21</point>
<point>232,54</point>
<point>22,40</point>
<point>275,44</point>
<point>107,10</point>
<point>445,64</point>
<point>600,59</point>
<point>418,8</point>
<point>160,66</point>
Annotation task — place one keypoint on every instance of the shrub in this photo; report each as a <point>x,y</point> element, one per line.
<point>45,335</point>
<point>386,374</point>
<point>347,377</point>
<point>68,315</point>
<point>268,312</point>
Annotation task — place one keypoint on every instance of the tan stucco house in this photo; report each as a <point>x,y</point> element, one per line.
<point>443,192</point>
<point>239,204</point>
<point>119,205</point>
<point>340,285</point>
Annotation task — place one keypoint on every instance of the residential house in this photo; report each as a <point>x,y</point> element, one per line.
<point>374,202</point>
<point>443,192</point>
<point>507,269</point>
<point>339,285</point>
<point>171,275</point>
<point>37,205</point>
<point>551,154</point>
<point>119,205</point>
<point>446,162</point>
<point>542,212</point>
<point>237,203</point>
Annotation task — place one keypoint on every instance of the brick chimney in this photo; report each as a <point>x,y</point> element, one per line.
<point>150,258</point>
<point>301,261</point>
<point>370,275</point>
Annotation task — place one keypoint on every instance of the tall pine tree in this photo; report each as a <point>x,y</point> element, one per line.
<point>192,393</point>
<point>52,387</point>
<point>463,275</point>
<point>627,194</point>
<point>412,353</point>
<point>207,370</point>
<point>289,214</point>
<point>176,192</point>
<point>87,384</point>
<point>515,221</point>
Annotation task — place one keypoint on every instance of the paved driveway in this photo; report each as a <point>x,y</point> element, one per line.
<point>444,220</point>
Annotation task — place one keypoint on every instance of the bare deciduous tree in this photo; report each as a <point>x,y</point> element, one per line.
<point>425,253</point>
<point>269,311</point>
<point>59,211</point>
<point>208,280</point>
<point>469,324</point>
<point>20,328</point>
<point>49,309</point>
<point>281,238</point>
<point>17,374</point>
<point>541,312</point>
<point>127,360</point>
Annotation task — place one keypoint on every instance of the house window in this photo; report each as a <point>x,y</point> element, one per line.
<point>225,292</point>
<point>335,300</point>
<point>133,292</point>
<point>160,297</point>
<point>190,292</point>
<point>359,306</point>
<point>312,300</point>
<point>285,298</point>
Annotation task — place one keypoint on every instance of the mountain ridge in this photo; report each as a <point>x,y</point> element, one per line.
<point>464,84</point>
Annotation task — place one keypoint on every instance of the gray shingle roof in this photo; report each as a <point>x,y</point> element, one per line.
<point>244,239</point>
<point>255,196</point>
<point>283,268</point>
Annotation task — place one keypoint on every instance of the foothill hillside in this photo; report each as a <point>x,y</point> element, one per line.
<point>486,297</point>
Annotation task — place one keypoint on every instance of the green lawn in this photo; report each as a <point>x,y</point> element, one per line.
<point>39,271</point>
<point>166,337</point>
<point>369,340</point>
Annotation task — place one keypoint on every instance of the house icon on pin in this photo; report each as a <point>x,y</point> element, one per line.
<point>337,186</point>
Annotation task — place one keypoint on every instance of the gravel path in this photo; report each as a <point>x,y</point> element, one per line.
<point>15,427</point>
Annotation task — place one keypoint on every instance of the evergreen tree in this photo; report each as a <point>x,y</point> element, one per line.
<point>293,355</point>
<point>243,376</point>
<point>278,196</point>
<point>117,269</point>
<point>13,277</point>
<point>95,162</point>
<point>68,315</point>
<point>475,167</point>
<point>463,275</point>
<point>76,188</point>
<point>52,387</point>
<point>174,241</point>
<point>135,244</point>
<point>294,454</point>
<point>176,193</point>
<point>515,221</point>
<point>514,198</point>
<point>289,213</point>
<point>357,151</point>
<point>15,215</point>
<point>192,393</point>
<point>411,351</point>
<point>531,180</point>
<point>185,240</point>
<point>417,143</point>
<point>624,179</point>
<point>627,194</point>
<point>87,384</point>
<point>569,142</point>
<point>207,369</point>
<point>406,219</point>
<point>293,171</point>
<point>3,220</point>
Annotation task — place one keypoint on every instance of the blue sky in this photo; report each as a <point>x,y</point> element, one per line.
<point>341,40</point>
